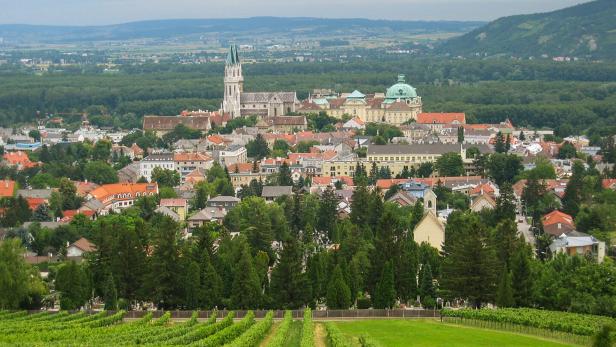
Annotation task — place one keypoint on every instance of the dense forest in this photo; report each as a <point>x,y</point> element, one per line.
<point>567,96</point>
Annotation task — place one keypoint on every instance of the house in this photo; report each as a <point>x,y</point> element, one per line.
<point>403,198</point>
<point>557,223</point>
<point>225,202</point>
<point>179,206</point>
<point>354,123</point>
<point>487,188</point>
<point>158,160</point>
<point>84,187</point>
<point>437,120</point>
<point>208,214</point>
<point>118,151</point>
<point>118,196</point>
<point>234,154</point>
<point>161,125</point>
<point>79,247</point>
<point>185,163</point>
<point>577,243</point>
<point>430,230</point>
<point>7,188</point>
<point>283,123</point>
<point>271,193</point>
<point>166,211</point>
<point>68,215</point>
<point>130,173</point>
<point>481,202</point>
<point>18,159</point>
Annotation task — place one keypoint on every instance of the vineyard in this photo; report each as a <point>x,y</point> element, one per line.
<point>104,329</point>
<point>243,329</point>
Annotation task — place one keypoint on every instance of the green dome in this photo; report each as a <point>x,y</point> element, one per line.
<point>400,90</point>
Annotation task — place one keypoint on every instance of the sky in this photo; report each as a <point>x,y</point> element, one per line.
<point>101,12</point>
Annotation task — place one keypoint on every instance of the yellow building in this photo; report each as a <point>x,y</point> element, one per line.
<point>398,105</point>
<point>399,157</point>
<point>431,230</point>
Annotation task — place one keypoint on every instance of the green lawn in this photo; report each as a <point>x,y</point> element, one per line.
<point>403,333</point>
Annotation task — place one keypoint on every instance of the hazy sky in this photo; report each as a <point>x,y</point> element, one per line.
<point>94,12</point>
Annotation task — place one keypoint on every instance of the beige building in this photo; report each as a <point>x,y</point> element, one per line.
<point>398,105</point>
<point>399,157</point>
<point>431,230</point>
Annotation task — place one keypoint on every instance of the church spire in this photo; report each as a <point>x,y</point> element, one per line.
<point>233,56</point>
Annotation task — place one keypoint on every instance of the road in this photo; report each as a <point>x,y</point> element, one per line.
<point>524,229</point>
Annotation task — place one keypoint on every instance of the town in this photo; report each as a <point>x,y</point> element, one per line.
<point>339,216</point>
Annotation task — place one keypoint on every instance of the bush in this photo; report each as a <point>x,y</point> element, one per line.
<point>335,337</point>
<point>307,330</point>
<point>281,334</point>
<point>255,334</point>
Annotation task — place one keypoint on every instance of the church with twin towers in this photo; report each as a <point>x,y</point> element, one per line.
<point>239,103</point>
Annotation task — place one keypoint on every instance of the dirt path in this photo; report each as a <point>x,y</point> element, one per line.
<point>270,336</point>
<point>320,335</point>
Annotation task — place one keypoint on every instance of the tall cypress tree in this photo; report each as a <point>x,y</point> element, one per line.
<point>110,295</point>
<point>338,292</point>
<point>406,270</point>
<point>246,288</point>
<point>521,280</point>
<point>504,295</point>
<point>288,283</point>
<point>211,284</point>
<point>385,292</point>
<point>427,292</point>
<point>192,285</point>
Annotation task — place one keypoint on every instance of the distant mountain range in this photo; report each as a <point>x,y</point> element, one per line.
<point>256,26</point>
<point>587,29</point>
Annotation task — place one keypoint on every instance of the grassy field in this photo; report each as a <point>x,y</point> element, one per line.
<point>394,333</point>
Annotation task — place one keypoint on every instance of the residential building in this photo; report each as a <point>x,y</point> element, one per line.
<point>185,163</point>
<point>436,121</point>
<point>156,160</point>
<point>161,125</point>
<point>7,188</point>
<point>401,158</point>
<point>78,248</point>
<point>577,243</point>
<point>117,196</point>
<point>271,193</point>
<point>225,202</point>
<point>208,214</point>
<point>557,223</point>
<point>481,202</point>
<point>18,159</point>
<point>234,154</point>
<point>179,206</point>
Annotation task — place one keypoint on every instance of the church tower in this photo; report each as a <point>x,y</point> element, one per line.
<point>234,83</point>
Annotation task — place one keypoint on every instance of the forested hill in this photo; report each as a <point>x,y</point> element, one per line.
<point>587,29</point>
<point>256,26</point>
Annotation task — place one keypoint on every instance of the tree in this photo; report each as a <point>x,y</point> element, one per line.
<point>192,285</point>
<point>211,284</point>
<point>521,137</point>
<point>573,191</point>
<point>427,292</point>
<point>450,164</point>
<point>101,150</point>
<point>257,148</point>
<point>327,211</point>
<point>288,283</point>
<point>505,203</point>
<point>110,294</point>
<point>68,195</point>
<point>503,167</point>
<point>284,175</point>
<point>16,211</point>
<point>246,288</point>
<point>506,241</point>
<point>165,178</point>
<point>385,293</point>
<point>100,172</point>
<point>469,259</point>
<point>425,170</point>
<point>164,280</point>
<point>72,283</point>
<point>567,151</point>
<point>460,134</point>
<point>14,274</point>
<point>499,146</point>
<point>504,295</point>
<point>35,134</point>
<point>604,337</point>
<point>338,292</point>
<point>360,205</point>
<point>521,280</point>
<point>41,213</point>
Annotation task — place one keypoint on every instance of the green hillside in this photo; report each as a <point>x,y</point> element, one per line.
<point>586,30</point>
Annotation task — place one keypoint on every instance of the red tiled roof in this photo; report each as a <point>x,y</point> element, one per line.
<point>191,156</point>
<point>173,202</point>
<point>441,118</point>
<point>609,183</point>
<point>84,245</point>
<point>389,182</point>
<point>123,191</point>
<point>18,158</point>
<point>557,216</point>
<point>240,167</point>
<point>216,139</point>
<point>7,188</point>
<point>33,203</point>
<point>481,189</point>
<point>70,214</point>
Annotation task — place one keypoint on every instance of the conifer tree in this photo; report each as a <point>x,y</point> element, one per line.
<point>211,284</point>
<point>246,288</point>
<point>288,283</point>
<point>521,280</point>
<point>327,211</point>
<point>406,270</point>
<point>499,146</point>
<point>338,292</point>
<point>504,295</point>
<point>110,295</point>
<point>385,292</point>
<point>192,285</point>
<point>427,292</point>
